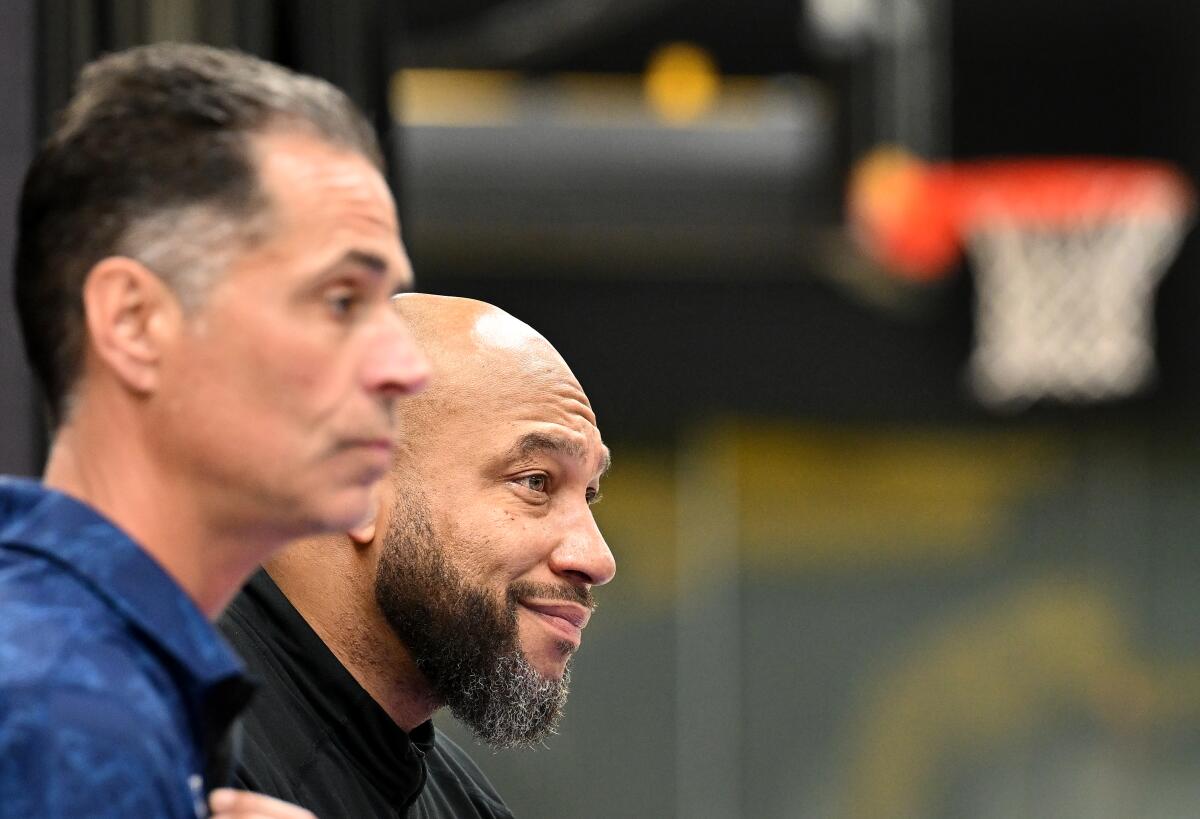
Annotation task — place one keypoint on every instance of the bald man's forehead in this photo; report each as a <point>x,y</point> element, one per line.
<point>440,314</point>
<point>480,352</point>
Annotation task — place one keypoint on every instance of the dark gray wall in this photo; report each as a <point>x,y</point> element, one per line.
<point>20,433</point>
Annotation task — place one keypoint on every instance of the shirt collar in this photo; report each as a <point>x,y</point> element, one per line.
<point>388,755</point>
<point>86,544</point>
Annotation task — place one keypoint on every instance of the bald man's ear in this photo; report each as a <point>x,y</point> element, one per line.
<point>129,311</point>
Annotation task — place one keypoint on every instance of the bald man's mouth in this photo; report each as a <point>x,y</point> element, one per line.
<point>567,620</point>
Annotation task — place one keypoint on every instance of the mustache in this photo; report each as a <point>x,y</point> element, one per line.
<point>522,589</point>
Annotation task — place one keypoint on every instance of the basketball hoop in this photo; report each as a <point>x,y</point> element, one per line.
<point>1066,254</point>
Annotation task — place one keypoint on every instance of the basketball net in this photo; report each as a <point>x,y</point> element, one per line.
<point>1066,255</point>
<point>1066,313</point>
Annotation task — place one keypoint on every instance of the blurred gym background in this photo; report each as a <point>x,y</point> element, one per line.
<point>846,587</point>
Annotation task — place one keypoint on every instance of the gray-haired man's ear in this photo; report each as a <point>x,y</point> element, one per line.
<point>128,311</point>
<point>364,533</point>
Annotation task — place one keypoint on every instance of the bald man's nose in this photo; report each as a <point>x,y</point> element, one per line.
<point>584,554</point>
<point>395,364</point>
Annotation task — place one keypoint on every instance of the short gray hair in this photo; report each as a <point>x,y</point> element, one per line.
<point>152,159</point>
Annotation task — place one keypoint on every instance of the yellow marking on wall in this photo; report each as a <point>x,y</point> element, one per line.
<point>845,497</point>
<point>833,498</point>
<point>671,97</point>
<point>988,676</point>
<point>433,96</point>
<point>637,516</point>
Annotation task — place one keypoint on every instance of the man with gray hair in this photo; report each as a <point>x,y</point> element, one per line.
<point>469,588</point>
<point>206,254</point>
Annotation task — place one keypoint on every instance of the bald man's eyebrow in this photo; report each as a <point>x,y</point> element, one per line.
<point>534,443</point>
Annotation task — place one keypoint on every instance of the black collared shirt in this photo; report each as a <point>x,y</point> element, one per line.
<point>314,737</point>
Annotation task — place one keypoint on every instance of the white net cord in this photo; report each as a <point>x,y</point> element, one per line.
<point>1067,313</point>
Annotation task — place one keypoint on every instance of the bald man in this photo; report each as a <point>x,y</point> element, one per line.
<point>469,588</point>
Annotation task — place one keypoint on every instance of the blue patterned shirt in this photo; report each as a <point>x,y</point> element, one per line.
<point>116,693</point>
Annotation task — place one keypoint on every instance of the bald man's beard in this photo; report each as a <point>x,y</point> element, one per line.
<point>464,640</point>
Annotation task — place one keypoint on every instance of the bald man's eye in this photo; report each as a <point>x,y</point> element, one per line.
<point>593,496</point>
